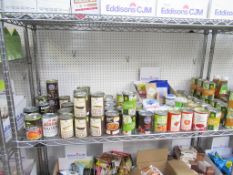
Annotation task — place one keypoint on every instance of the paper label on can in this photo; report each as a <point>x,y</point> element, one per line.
<point>33,132</point>
<point>160,123</point>
<point>186,121</point>
<point>129,124</point>
<point>112,125</point>
<point>200,121</point>
<point>50,128</point>
<point>96,126</point>
<point>67,128</point>
<point>80,109</point>
<point>175,123</point>
<point>80,128</point>
<point>97,106</point>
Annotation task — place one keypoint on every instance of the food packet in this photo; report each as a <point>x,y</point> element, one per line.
<point>151,170</point>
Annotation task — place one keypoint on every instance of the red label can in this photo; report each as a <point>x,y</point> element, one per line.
<point>173,123</point>
<point>200,119</point>
<point>186,120</point>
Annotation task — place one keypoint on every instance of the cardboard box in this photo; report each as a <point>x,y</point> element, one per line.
<point>221,9</point>
<point>85,6</point>
<point>128,7</point>
<point>158,158</point>
<point>20,5</point>
<point>53,6</point>
<point>183,8</point>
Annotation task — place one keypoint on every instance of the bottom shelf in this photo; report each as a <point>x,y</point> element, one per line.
<point>57,141</point>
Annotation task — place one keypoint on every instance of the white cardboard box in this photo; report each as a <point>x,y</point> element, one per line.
<point>85,6</point>
<point>53,6</point>
<point>20,5</point>
<point>182,8</point>
<point>128,7</point>
<point>221,9</point>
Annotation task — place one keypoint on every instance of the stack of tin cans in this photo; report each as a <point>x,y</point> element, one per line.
<point>53,95</point>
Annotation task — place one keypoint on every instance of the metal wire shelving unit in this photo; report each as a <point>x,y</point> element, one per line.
<point>80,22</point>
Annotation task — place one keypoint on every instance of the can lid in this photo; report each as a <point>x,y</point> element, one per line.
<point>32,117</point>
<point>161,113</point>
<point>51,81</point>
<point>31,109</point>
<point>80,94</point>
<point>111,113</point>
<point>67,105</point>
<point>145,113</point>
<point>49,115</point>
<point>64,97</point>
<point>66,116</point>
<point>98,94</point>
<point>200,110</point>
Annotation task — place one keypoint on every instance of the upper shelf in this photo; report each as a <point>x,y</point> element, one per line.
<point>112,23</point>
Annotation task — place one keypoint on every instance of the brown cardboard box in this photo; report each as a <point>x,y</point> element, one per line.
<point>158,158</point>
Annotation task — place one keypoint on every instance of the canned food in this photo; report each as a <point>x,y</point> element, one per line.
<point>144,122</point>
<point>112,122</point>
<point>229,119</point>
<point>41,99</point>
<point>119,99</point>
<point>96,126</point>
<point>97,104</point>
<point>50,125</point>
<point>80,104</point>
<point>81,127</point>
<point>64,99</point>
<point>66,125</point>
<point>108,98</point>
<point>65,110</point>
<point>128,124</point>
<point>31,109</point>
<point>54,105</point>
<point>200,119</point>
<point>208,91</point>
<point>86,89</point>
<point>44,108</point>
<point>214,119</point>
<point>160,121</point>
<point>199,87</point>
<point>129,104</point>
<point>33,126</point>
<point>230,101</point>
<point>173,121</point>
<point>68,105</point>
<point>52,89</point>
<point>186,120</point>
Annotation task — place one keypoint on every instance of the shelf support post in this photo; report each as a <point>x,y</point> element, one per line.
<point>10,99</point>
<point>211,54</point>
<point>30,68</point>
<point>204,47</point>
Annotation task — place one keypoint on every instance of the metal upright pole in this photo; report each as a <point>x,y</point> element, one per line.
<point>205,42</point>
<point>29,62</point>
<point>34,37</point>
<point>10,99</point>
<point>211,54</point>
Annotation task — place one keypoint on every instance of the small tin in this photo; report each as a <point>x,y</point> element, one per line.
<point>97,104</point>
<point>97,126</point>
<point>144,122</point>
<point>213,119</point>
<point>81,127</point>
<point>44,108</point>
<point>160,121</point>
<point>80,104</point>
<point>119,99</point>
<point>173,121</point>
<point>64,99</point>
<point>33,126</point>
<point>130,103</point>
<point>66,125</point>
<point>112,122</point>
<point>50,125</point>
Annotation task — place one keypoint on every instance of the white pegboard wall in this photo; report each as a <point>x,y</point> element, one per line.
<point>99,59</point>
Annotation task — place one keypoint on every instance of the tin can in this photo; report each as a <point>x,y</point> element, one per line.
<point>64,99</point>
<point>214,119</point>
<point>112,122</point>
<point>33,126</point>
<point>144,122</point>
<point>128,124</point>
<point>229,119</point>
<point>44,108</point>
<point>160,121</point>
<point>41,99</point>
<point>97,104</point>
<point>173,121</point>
<point>65,110</point>
<point>108,98</point>
<point>80,104</point>
<point>130,103</point>
<point>66,125</point>
<point>54,105</point>
<point>199,87</point>
<point>30,110</point>
<point>81,127</point>
<point>53,95</point>
<point>86,89</point>
<point>200,119</point>
<point>69,105</point>
<point>186,120</point>
<point>119,99</point>
<point>50,125</point>
<point>97,126</point>
<point>230,101</point>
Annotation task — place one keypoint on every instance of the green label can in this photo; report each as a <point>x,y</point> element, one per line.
<point>128,124</point>
<point>214,119</point>
<point>160,122</point>
<point>130,103</point>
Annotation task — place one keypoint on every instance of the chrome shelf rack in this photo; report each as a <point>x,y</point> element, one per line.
<point>80,22</point>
